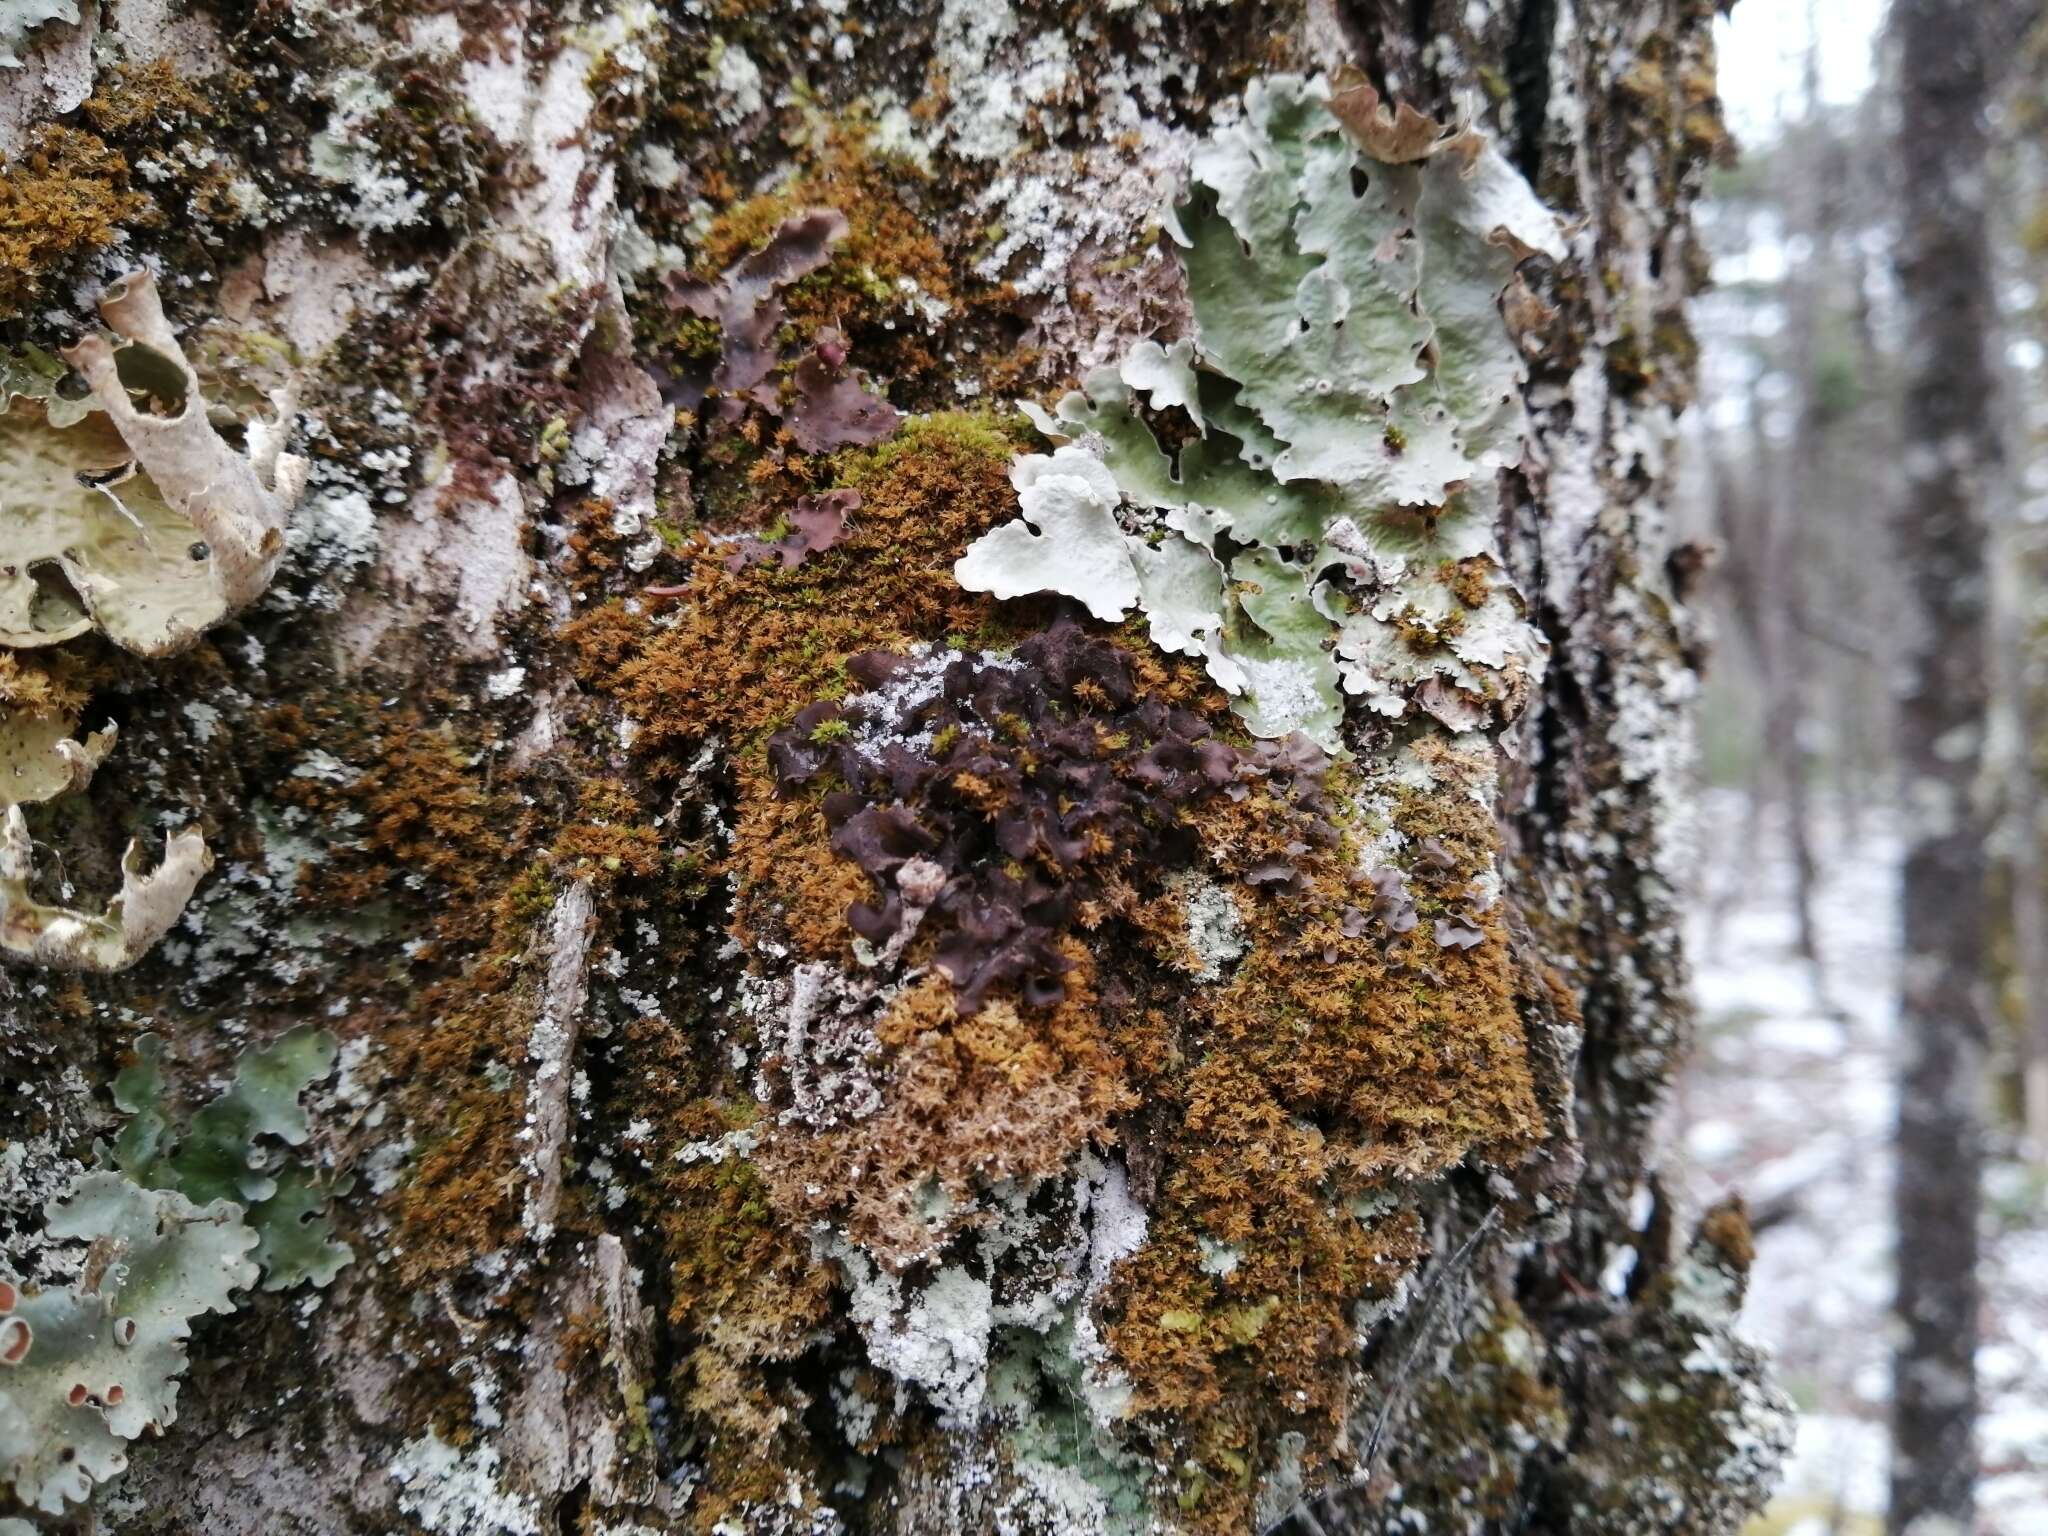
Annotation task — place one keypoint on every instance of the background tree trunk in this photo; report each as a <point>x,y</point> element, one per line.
<point>1951,460</point>
<point>485,777</point>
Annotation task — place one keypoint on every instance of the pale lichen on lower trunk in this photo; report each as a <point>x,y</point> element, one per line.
<point>823,1048</point>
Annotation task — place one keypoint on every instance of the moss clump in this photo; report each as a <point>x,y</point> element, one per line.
<point>49,686</point>
<point>430,826</point>
<point>888,268</point>
<point>965,1103</point>
<point>1341,1060</point>
<point>755,645</point>
<point>435,843</point>
<point>131,99</point>
<point>745,1299</point>
<point>63,198</point>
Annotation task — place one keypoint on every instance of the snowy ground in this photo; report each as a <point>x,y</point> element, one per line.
<point>1789,1102</point>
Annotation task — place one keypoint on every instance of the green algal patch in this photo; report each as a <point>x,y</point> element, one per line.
<point>1351,386</point>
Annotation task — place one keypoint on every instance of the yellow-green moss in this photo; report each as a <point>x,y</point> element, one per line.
<point>63,197</point>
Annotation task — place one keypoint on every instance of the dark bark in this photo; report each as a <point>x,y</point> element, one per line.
<point>1950,456</point>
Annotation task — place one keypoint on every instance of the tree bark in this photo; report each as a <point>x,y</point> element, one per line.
<point>1950,462</point>
<point>665,1214</point>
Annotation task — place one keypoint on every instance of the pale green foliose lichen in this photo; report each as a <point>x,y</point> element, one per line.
<point>41,758</point>
<point>148,903</point>
<point>230,1150</point>
<point>1352,383</point>
<point>122,510</point>
<point>92,1365</point>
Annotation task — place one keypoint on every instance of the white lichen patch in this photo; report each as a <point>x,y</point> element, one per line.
<point>1216,932</point>
<point>934,1336</point>
<point>20,19</point>
<point>380,199</point>
<point>453,1492</point>
<point>736,79</point>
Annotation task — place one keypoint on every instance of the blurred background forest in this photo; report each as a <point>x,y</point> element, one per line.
<point>1794,485</point>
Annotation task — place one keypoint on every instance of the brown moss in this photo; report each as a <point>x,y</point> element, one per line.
<point>1726,1229</point>
<point>1469,580</point>
<point>888,242</point>
<point>456,1057</point>
<point>792,885</point>
<point>49,685</point>
<point>744,1293</point>
<point>129,99</point>
<point>964,1102</point>
<point>1309,1088</point>
<point>753,647</point>
<point>62,198</point>
<point>446,852</point>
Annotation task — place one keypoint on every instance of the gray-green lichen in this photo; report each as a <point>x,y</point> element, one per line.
<point>92,1365</point>
<point>183,1219</point>
<point>1353,386</point>
<point>233,1149</point>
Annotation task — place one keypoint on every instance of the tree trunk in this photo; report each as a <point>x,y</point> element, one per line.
<point>794,1042</point>
<point>1951,456</point>
<point>2019,577</point>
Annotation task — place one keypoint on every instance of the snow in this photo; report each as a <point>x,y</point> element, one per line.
<point>1788,1100</point>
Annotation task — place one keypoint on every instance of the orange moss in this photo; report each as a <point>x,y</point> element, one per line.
<point>888,242</point>
<point>1309,1088</point>
<point>752,648</point>
<point>65,196</point>
<point>50,685</point>
<point>964,1101</point>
